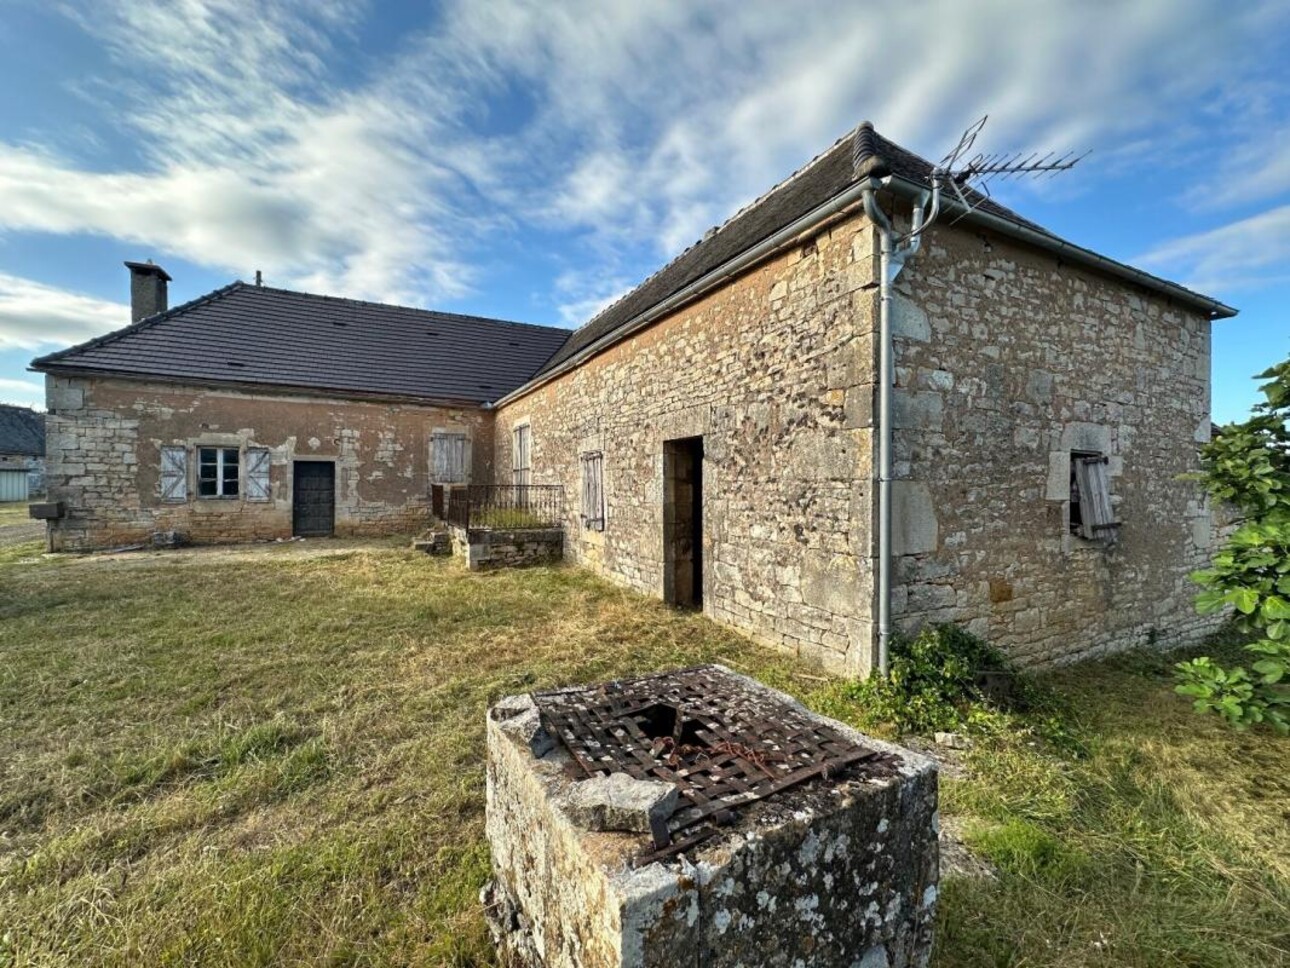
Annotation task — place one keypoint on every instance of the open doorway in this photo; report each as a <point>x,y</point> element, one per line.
<point>683,522</point>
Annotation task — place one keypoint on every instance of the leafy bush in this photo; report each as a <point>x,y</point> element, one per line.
<point>943,679</point>
<point>1248,466</point>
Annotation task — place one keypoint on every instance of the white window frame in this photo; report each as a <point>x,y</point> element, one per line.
<point>522,455</point>
<point>221,462</point>
<point>593,490</point>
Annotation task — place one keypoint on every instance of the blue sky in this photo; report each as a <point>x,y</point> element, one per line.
<point>531,160</point>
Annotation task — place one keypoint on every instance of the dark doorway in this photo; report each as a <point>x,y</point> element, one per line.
<point>683,522</point>
<point>313,501</point>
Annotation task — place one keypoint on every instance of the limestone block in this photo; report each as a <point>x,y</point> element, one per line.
<point>909,320</point>
<point>621,802</point>
<point>914,528</point>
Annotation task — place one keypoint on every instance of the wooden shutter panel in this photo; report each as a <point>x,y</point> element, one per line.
<point>457,457</point>
<point>439,458</point>
<point>449,457</point>
<point>174,474</point>
<point>258,462</point>
<point>1097,516</point>
<point>593,492</point>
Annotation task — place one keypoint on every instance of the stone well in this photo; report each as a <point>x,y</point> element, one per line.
<point>700,818</point>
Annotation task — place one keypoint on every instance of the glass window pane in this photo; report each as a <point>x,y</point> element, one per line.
<point>207,488</point>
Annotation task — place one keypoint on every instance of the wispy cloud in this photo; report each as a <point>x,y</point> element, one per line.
<point>34,316</point>
<point>633,127</point>
<point>1248,253</point>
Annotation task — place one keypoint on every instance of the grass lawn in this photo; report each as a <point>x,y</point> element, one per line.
<point>273,756</point>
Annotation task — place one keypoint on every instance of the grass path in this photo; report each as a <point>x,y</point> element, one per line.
<point>273,756</point>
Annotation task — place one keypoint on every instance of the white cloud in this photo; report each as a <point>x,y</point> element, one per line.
<point>635,121</point>
<point>659,120</point>
<point>1244,254</point>
<point>34,316</point>
<point>581,295</point>
<point>253,159</point>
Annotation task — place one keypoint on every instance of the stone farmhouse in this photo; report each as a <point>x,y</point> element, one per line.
<point>22,453</point>
<point>721,431</point>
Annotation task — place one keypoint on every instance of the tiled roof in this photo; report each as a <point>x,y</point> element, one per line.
<point>860,153</point>
<point>22,431</point>
<point>257,335</point>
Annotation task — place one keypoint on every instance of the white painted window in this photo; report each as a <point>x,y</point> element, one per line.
<point>258,462</point>
<point>1092,514</point>
<point>593,492</point>
<point>217,472</point>
<point>174,474</point>
<point>449,457</point>
<point>521,455</point>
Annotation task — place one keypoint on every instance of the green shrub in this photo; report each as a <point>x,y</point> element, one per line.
<point>942,679</point>
<point>1248,466</point>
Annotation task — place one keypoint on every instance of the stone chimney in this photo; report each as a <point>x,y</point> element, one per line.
<point>147,290</point>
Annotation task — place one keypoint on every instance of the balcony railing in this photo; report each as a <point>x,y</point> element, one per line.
<point>507,507</point>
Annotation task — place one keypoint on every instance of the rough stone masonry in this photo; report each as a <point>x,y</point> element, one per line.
<point>840,872</point>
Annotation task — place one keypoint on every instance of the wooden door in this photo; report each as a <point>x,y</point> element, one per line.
<point>313,502</point>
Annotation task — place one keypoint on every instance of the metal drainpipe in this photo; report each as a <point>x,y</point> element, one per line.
<point>879,219</point>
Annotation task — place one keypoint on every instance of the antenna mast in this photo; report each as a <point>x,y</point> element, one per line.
<point>969,180</point>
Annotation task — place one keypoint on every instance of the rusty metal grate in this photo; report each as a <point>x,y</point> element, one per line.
<point>722,744</point>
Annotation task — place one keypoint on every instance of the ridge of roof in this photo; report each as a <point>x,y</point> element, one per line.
<point>248,335</point>
<point>146,323</point>
<point>827,176</point>
<point>465,317</point>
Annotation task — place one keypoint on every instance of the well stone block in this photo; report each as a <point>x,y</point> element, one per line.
<point>840,871</point>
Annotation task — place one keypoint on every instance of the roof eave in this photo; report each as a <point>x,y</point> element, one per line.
<point>274,389</point>
<point>1075,253</point>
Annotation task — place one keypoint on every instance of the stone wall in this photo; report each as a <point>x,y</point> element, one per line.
<point>483,548</point>
<point>1006,362</point>
<point>774,371</point>
<point>104,459</point>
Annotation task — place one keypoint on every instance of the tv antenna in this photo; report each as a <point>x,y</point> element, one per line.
<point>968,175</point>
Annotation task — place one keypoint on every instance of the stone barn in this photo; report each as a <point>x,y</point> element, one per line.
<point>724,432</point>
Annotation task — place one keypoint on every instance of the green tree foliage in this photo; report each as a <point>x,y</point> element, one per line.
<point>1247,465</point>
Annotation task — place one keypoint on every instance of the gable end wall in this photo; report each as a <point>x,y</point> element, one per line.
<point>1006,361</point>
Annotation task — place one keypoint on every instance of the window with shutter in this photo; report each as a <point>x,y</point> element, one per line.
<point>593,492</point>
<point>174,474</point>
<point>449,457</point>
<point>217,472</point>
<point>258,461</point>
<point>521,455</point>
<point>1092,514</point>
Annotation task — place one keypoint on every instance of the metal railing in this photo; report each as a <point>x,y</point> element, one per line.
<point>507,507</point>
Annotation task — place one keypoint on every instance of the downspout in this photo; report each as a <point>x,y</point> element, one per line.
<point>892,254</point>
<point>886,245</point>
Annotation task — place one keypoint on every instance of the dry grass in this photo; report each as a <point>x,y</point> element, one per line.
<point>273,756</point>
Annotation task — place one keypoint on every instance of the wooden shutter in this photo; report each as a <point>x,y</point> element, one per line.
<point>258,461</point>
<point>1097,516</point>
<point>521,456</point>
<point>593,492</point>
<point>174,474</point>
<point>449,457</point>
